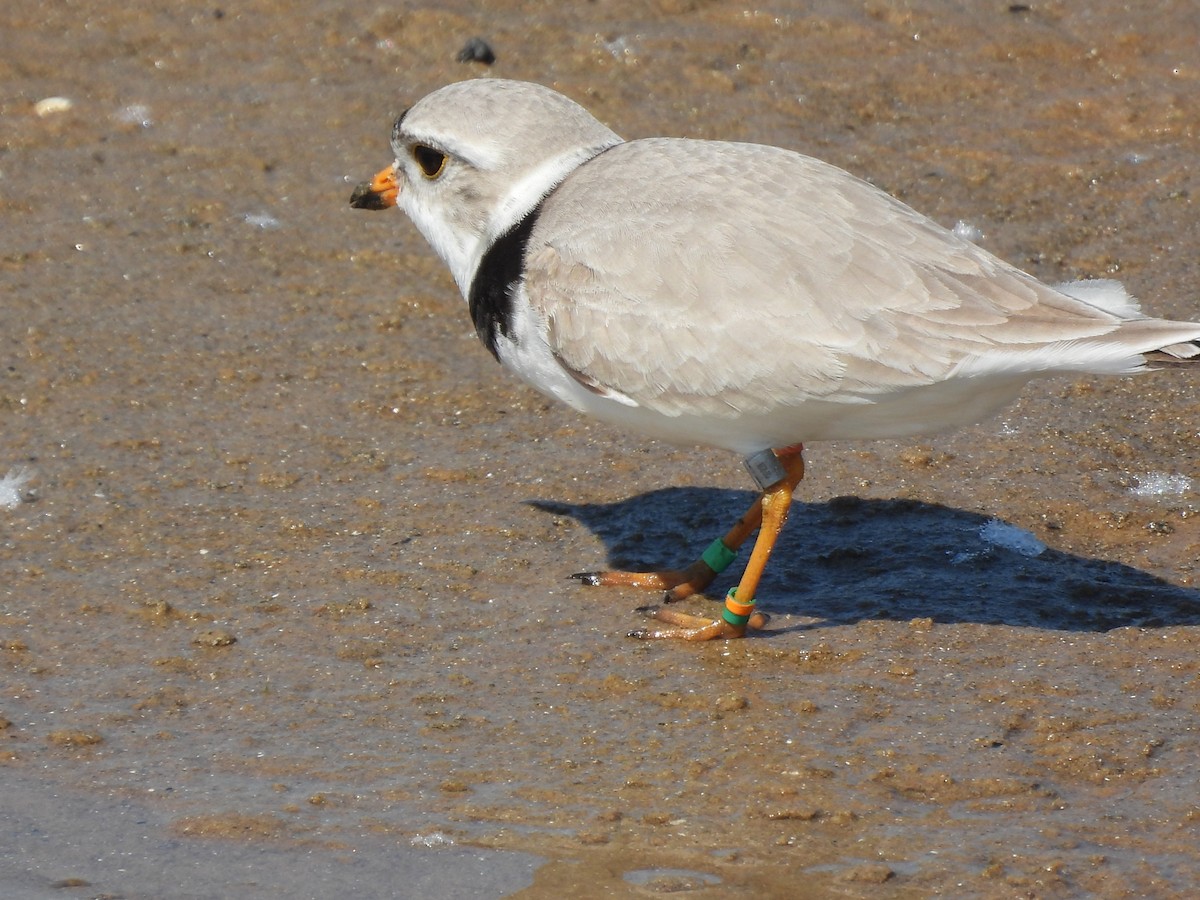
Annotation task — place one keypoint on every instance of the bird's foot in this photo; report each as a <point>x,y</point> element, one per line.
<point>678,584</point>
<point>686,627</point>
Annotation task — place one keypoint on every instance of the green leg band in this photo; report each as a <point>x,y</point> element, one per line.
<point>736,612</point>
<point>734,618</point>
<point>718,557</point>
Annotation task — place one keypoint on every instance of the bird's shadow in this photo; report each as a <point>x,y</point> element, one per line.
<point>851,559</point>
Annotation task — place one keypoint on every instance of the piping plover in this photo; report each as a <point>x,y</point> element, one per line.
<point>736,295</point>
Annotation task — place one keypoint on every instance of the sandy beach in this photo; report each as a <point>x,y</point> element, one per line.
<point>284,555</point>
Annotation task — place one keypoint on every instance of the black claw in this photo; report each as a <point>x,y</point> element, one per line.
<point>640,634</point>
<point>589,578</point>
<point>649,609</point>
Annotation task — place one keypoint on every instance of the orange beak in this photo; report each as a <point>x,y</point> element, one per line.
<point>379,193</point>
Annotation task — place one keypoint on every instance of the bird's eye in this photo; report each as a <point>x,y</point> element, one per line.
<point>431,161</point>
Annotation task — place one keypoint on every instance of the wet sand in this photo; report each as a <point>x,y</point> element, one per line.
<point>287,588</point>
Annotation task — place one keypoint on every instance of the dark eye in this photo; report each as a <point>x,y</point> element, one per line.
<point>431,161</point>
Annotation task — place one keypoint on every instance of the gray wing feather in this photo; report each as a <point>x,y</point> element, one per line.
<point>795,282</point>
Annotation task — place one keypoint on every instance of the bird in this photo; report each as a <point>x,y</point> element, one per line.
<point>734,295</point>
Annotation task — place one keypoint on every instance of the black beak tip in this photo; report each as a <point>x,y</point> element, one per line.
<point>364,197</point>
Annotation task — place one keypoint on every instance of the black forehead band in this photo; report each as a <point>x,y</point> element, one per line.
<point>399,122</point>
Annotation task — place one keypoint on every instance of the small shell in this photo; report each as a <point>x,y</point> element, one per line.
<point>50,106</point>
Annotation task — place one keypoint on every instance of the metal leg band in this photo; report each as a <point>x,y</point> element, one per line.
<point>765,468</point>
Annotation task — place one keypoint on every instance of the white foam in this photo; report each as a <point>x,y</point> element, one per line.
<point>967,231</point>
<point>1010,537</point>
<point>135,114</point>
<point>433,839</point>
<point>265,221</point>
<point>12,487</point>
<point>1162,484</point>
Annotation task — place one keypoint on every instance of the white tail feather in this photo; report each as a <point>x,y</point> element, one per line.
<point>1103,293</point>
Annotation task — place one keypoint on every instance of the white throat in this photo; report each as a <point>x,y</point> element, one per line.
<point>458,248</point>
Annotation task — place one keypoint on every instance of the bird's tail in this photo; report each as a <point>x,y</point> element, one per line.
<point>1175,356</point>
<point>1111,296</point>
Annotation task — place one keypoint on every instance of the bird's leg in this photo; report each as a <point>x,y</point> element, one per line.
<point>739,612</point>
<point>682,583</point>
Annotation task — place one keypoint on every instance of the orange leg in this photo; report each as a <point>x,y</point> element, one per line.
<point>680,583</point>
<point>768,515</point>
<point>739,612</point>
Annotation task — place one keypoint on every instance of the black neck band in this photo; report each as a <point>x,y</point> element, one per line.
<point>491,297</point>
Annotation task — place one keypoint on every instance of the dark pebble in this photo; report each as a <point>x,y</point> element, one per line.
<point>476,50</point>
